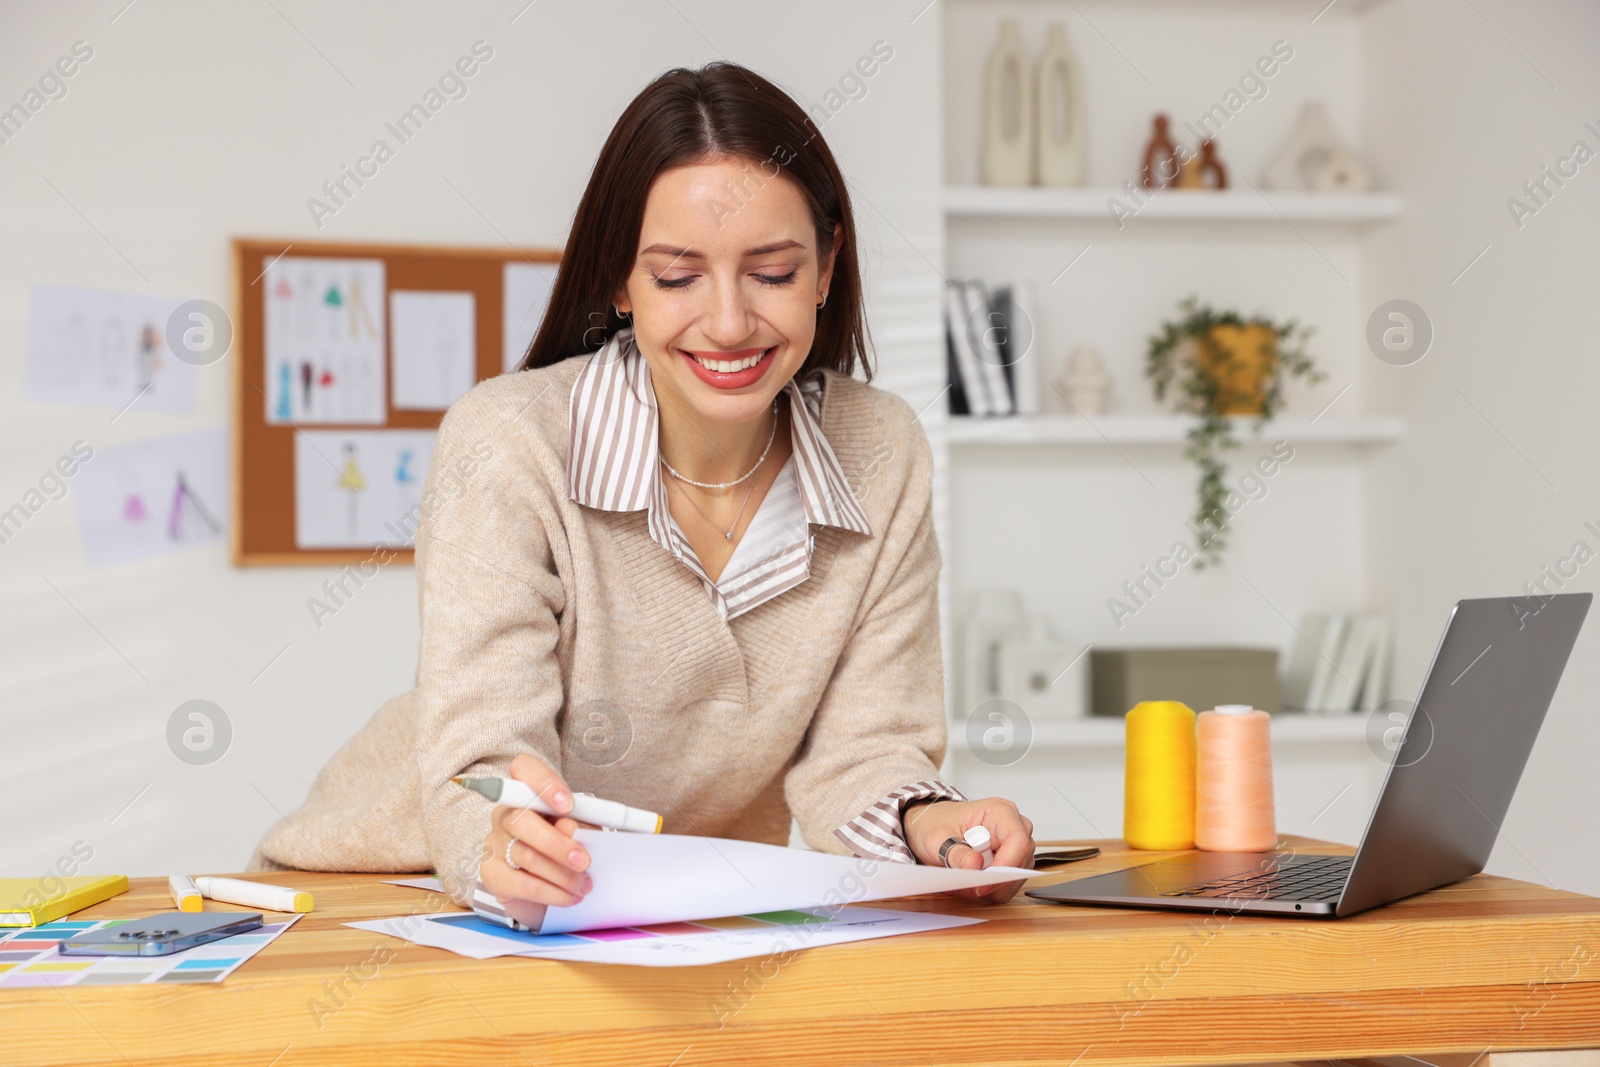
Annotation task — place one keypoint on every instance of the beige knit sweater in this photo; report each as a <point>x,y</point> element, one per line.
<point>544,621</point>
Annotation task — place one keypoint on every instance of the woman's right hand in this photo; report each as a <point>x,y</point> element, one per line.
<point>551,860</point>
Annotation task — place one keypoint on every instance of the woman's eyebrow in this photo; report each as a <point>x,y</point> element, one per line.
<point>689,253</point>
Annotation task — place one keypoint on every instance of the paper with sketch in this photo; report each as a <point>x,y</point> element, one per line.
<point>150,498</point>
<point>677,944</point>
<point>105,349</point>
<point>324,340</point>
<point>526,294</point>
<point>658,878</point>
<point>434,346</point>
<point>359,488</point>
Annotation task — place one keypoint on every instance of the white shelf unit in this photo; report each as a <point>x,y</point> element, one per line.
<point>1104,731</point>
<point>1231,205</point>
<point>1066,526</point>
<point>1159,430</point>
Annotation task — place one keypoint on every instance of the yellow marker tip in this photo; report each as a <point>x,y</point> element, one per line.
<point>191,904</point>
<point>302,902</point>
<point>659,824</point>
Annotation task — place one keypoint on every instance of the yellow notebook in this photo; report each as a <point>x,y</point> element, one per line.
<point>32,901</point>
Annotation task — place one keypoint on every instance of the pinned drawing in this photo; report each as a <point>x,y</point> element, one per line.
<point>525,292</point>
<point>189,518</point>
<point>433,339</point>
<point>324,341</point>
<point>178,481</point>
<point>351,481</point>
<point>359,488</point>
<point>105,349</point>
<point>281,408</point>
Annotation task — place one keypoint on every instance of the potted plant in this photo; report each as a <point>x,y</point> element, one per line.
<point>1220,364</point>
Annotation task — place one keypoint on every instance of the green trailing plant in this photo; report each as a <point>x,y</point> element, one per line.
<point>1181,358</point>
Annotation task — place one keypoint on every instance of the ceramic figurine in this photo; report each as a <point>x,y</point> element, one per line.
<point>1085,383</point>
<point>1315,157</point>
<point>1204,171</point>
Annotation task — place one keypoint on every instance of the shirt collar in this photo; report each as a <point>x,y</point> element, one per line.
<point>613,442</point>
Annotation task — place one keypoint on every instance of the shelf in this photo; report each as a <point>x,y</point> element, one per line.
<point>1104,731</point>
<point>1157,430</point>
<point>1231,205</point>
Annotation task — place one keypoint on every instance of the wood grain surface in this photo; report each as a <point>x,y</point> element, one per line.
<point>1489,963</point>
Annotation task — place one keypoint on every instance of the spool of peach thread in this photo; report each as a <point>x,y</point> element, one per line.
<point>1233,780</point>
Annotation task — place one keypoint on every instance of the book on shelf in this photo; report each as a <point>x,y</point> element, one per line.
<point>1339,663</point>
<point>988,346</point>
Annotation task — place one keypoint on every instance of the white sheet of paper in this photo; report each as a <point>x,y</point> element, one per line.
<point>434,348</point>
<point>657,878</point>
<point>153,497</point>
<point>525,295</point>
<point>431,884</point>
<point>324,340</point>
<point>103,349</point>
<point>674,945</point>
<point>359,488</point>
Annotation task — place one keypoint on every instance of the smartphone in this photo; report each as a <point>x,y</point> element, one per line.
<point>161,935</point>
<point>1054,857</point>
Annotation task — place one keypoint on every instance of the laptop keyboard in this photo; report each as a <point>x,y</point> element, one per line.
<point>1314,879</point>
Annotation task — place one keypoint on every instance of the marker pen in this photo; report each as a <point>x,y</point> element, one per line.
<point>513,793</point>
<point>185,894</point>
<point>253,894</point>
<point>980,841</point>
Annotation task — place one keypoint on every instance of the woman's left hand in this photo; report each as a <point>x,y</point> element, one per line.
<point>929,824</point>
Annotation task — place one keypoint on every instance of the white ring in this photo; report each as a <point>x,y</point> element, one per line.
<point>509,861</point>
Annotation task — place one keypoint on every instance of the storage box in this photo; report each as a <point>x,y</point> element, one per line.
<point>1202,678</point>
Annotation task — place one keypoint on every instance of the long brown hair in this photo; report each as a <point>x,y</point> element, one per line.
<point>685,117</point>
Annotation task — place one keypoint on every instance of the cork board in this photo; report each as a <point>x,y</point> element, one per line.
<point>273,408</point>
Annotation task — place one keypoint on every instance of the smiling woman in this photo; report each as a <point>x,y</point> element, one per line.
<point>696,518</point>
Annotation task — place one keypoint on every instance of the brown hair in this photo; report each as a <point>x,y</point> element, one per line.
<point>684,117</point>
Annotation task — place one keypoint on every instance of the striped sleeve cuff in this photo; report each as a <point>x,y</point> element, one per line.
<point>878,832</point>
<point>488,908</point>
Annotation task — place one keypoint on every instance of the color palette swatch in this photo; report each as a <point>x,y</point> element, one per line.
<point>28,958</point>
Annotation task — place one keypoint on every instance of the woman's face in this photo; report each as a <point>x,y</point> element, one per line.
<point>725,286</point>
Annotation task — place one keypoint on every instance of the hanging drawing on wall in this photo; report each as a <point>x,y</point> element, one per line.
<point>153,497</point>
<point>526,291</point>
<point>325,340</point>
<point>107,349</point>
<point>434,348</point>
<point>359,488</point>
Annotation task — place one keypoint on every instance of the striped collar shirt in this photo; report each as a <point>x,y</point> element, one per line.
<point>613,464</point>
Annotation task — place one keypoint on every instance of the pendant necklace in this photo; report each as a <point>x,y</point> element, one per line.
<point>727,535</point>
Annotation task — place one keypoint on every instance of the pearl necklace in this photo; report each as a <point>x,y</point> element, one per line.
<point>729,485</point>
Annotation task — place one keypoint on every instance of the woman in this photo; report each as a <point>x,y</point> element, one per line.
<point>689,563</point>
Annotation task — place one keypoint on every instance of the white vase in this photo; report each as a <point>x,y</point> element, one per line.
<point>1008,124</point>
<point>1058,112</point>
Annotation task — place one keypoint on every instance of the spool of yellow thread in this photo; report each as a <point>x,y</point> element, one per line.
<point>1158,788</point>
<point>1233,781</point>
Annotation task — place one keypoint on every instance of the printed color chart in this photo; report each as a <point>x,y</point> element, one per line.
<point>28,958</point>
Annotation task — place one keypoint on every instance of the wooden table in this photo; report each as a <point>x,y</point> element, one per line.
<point>1486,964</point>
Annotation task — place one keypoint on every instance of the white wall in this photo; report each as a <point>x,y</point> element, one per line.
<point>194,122</point>
<point>1497,473</point>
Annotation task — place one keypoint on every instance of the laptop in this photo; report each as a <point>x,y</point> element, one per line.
<point>1450,780</point>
